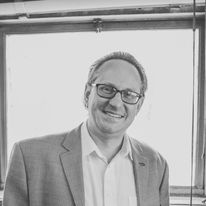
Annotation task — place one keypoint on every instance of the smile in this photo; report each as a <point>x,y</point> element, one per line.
<point>114,115</point>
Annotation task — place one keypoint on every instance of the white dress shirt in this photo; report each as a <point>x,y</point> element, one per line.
<point>107,184</point>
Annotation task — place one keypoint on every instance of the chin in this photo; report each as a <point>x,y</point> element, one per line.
<point>110,129</point>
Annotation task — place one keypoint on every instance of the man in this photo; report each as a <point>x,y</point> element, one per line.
<point>96,164</point>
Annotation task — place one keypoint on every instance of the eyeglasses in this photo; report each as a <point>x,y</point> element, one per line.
<point>108,92</point>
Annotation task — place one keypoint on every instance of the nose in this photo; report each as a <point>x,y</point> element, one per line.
<point>116,100</point>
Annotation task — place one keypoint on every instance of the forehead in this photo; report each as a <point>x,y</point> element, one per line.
<point>120,73</point>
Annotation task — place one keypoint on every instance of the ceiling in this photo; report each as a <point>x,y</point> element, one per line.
<point>13,9</point>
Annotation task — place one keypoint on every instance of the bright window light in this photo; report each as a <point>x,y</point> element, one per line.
<point>46,74</point>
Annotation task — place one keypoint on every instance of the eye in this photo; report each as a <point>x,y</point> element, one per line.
<point>106,89</point>
<point>130,94</point>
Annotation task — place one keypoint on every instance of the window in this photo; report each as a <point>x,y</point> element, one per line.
<point>46,73</point>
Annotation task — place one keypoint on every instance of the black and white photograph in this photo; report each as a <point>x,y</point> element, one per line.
<point>102,103</point>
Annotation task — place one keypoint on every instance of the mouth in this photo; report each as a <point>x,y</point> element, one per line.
<point>114,115</point>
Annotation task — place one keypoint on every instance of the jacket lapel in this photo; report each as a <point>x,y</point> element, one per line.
<point>141,171</point>
<point>72,165</point>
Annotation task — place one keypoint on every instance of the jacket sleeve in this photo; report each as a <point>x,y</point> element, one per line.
<point>16,191</point>
<point>164,186</point>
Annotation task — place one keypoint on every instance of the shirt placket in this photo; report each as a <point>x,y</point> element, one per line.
<point>110,186</point>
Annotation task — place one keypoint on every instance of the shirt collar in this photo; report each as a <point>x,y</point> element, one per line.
<point>89,146</point>
<point>126,147</point>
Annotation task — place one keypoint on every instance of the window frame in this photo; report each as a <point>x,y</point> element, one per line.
<point>113,25</point>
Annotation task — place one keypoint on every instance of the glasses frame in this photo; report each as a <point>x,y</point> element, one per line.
<point>117,91</point>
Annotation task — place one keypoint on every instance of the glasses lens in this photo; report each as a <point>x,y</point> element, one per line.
<point>130,97</point>
<point>106,91</point>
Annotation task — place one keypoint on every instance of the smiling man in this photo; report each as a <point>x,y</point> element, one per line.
<point>96,164</point>
<point>113,101</point>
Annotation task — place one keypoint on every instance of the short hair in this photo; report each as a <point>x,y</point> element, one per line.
<point>93,73</point>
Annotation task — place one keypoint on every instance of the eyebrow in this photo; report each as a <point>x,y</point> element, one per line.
<point>129,89</point>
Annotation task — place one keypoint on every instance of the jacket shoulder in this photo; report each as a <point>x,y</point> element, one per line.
<point>145,150</point>
<point>40,147</point>
<point>50,139</point>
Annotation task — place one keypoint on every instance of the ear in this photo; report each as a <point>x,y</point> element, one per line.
<point>87,92</point>
<point>139,104</point>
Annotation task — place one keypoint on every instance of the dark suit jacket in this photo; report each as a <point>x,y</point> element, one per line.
<point>48,171</point>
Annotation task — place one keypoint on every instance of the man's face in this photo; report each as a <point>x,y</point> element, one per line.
<point>113,116</point>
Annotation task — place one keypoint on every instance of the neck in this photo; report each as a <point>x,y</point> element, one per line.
<point>109,145</point>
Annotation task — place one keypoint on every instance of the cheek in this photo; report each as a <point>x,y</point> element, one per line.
<point>95,105</point>
<point>132,112</point>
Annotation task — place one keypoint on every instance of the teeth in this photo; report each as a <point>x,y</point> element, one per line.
<point>114,115</point>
